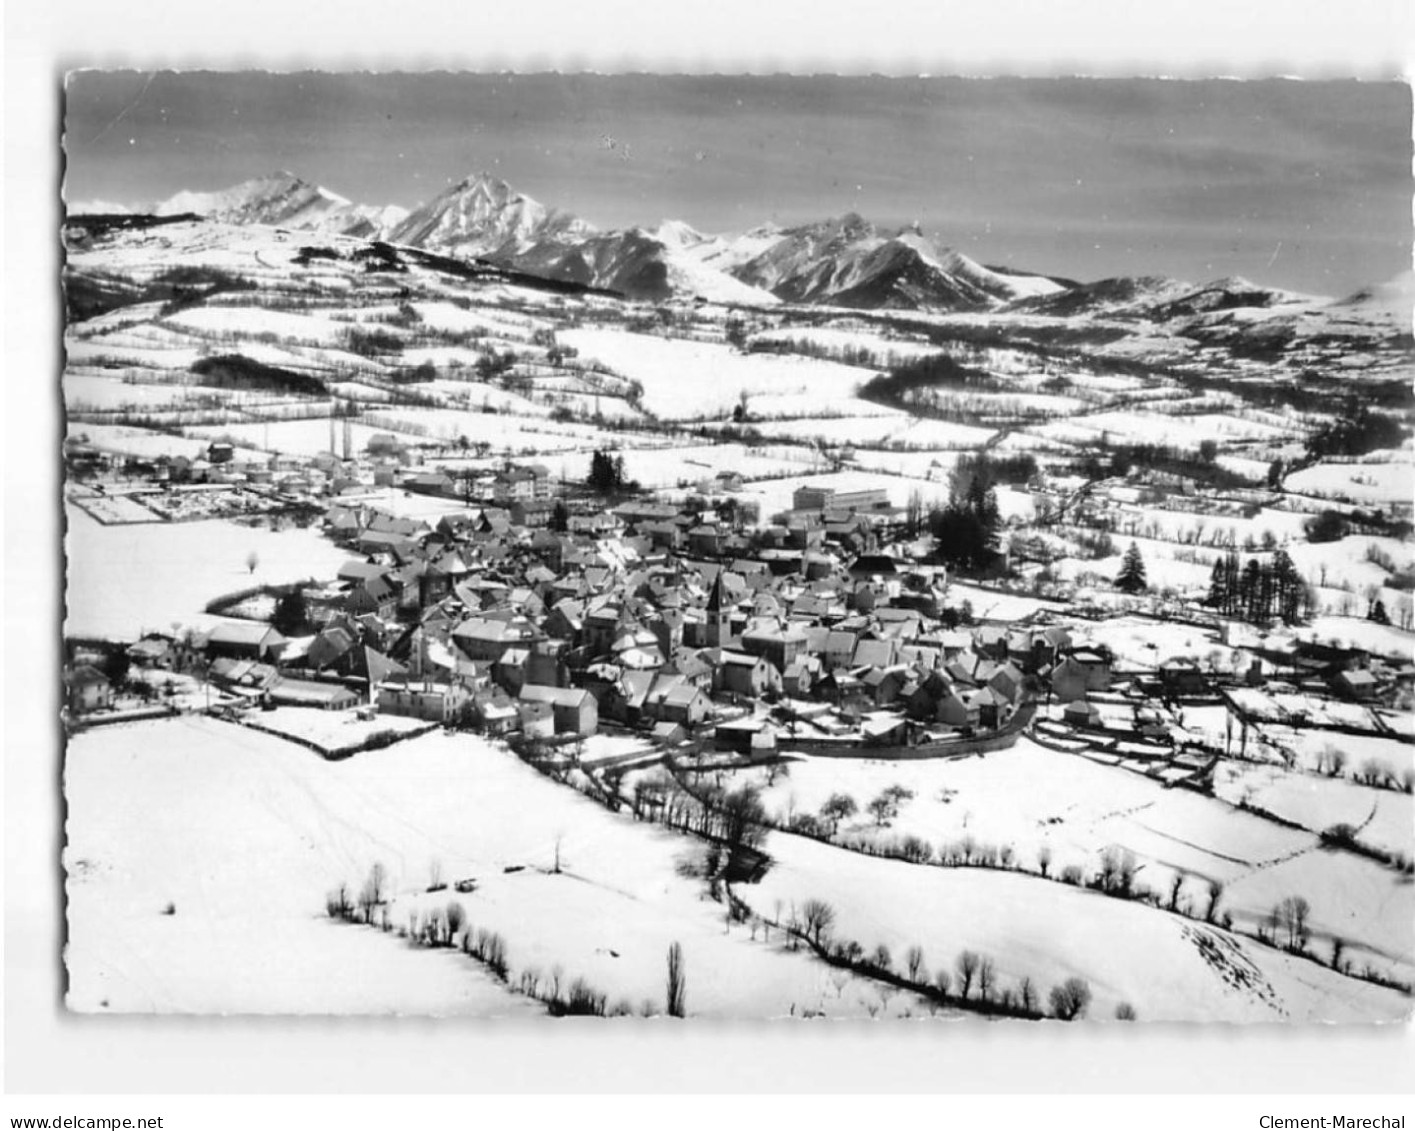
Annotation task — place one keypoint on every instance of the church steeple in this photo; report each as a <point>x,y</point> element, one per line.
<point>719,617</point>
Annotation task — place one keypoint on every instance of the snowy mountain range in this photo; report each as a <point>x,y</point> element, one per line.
<point>844,261</point>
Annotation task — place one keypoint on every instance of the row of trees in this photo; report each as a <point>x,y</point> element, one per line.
<point>1259,591</point>
<point>972,981</point>
<point>449,927</point>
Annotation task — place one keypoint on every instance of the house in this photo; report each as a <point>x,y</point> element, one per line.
<point>436,702</point>
<point>990,706</point>
<point>87,689</point>
<point>245,639</point>
<point>493,710</point>
<point>521,484</point>
<point>334,647</point>
<point>706,540</point>
<point>151,652</point>
<point>684,704</point>
<point>1007,682</point>
<point>309,693</point>
<point>484,639</point>
<point>956,711</point>
<point>1082,671</point>
<point>742,674</point>
<point>883,685</point>
<point>537,719</point>
<point>245,677</point>
<point>739,735</point>
<point>574,709</point>
<point>1082,713</point>
<point>1181,676</point>
<point>534,514</point>
<point>874,654</point>
<point>1357,683</point>
<point>779,645</point>
<point>622,698</point>
<point>669,734</point>
<point>798,679</point>
<point>378,595</point>
<point>839,648</point>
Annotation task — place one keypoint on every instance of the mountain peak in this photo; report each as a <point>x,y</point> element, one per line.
<point>278,198</point>
<point>483,215</point>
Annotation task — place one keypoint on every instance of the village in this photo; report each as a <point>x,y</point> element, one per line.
<point>610,627</point>
<point>539,610</point>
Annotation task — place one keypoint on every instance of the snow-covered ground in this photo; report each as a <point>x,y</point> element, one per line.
<point>1369,483</point>
<point>122,581</point>
<point>1382,817</point>
<point>1164,966</point>
<point>1028,797</point>
<point>687,379</point>
<point>246,834</point>
<point>333,730</point>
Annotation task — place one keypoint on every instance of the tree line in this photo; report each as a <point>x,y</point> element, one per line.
<point>1260,591</point>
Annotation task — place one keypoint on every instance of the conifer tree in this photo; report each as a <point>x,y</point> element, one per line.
<point>1131,578</point>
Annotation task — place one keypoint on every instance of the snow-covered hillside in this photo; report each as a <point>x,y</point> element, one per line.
<point>244,835</point>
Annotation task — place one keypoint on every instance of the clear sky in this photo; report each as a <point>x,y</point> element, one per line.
<point>1299,184</point>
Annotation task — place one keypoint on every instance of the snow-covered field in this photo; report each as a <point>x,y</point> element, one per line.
<point>1145,644</point>
<point>1028,797</point>
<point>1180,431</point>
<point>687,379</point>
<point>1165,967</point>
<point>122,581</point>
<point>147,444</point>
<point>670,467</point>
<point>245,834</point>
<point>1382,817</point>
<point>1369,483</point>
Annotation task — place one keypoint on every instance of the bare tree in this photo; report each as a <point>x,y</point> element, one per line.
<point>943,981</point>
<point>456,920</point>
<point>817,918</point>
<point>881,809</point>
<point>1128,868</point>
<point>1027,995</point>
<point>1215,894</point>
<point>371,894</point>
<point>838,807</point>
<point>1044,859</point>
<point>914,963</point>
<point>677,981</point>
<point>987,978</point>
<point>1293,913</point>
<point>1176,885</point>
<point>1070,999</point>
<point>967,966</point>
<point>1125,1012</point>
<point>252,560</point>
<point>881,958</point>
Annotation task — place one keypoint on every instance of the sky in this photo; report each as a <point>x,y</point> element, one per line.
<point>1305,185</point>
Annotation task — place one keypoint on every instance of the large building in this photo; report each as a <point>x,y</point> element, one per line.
<point>828,498</point>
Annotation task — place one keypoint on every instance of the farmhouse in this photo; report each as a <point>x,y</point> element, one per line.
<point>574,709</point>
<point>87,689</point>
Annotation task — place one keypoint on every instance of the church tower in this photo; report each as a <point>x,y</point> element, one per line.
<point>719,618</point>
